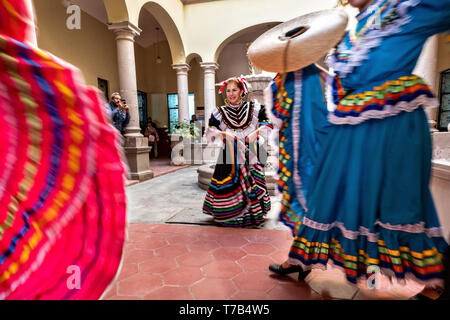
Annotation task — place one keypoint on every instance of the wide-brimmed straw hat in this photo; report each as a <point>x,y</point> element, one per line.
<point>299,42</point>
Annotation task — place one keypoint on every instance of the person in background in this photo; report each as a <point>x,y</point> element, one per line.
<point>237,195</point>
<point>119,112</point>
<point>152,134</point>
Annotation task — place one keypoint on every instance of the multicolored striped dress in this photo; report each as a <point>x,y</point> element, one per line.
<point>356,171</point>
<point>62,195</point>
<point>237,195</point>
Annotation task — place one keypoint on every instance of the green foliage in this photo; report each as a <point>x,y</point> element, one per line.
<point>187,130</point>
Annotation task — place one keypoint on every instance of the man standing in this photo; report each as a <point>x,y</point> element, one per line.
<point>119,112</point>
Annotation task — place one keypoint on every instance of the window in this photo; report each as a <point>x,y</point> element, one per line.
<point>172,103</point>
<point>444,109</point>
<point>103,86</point>
<point>142,104</point>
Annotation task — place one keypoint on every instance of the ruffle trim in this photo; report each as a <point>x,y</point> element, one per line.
<point>360,52</point>
<point>432,283</point>
<point>388,111</point>
<point>296,137</point>
<point>373,237</point>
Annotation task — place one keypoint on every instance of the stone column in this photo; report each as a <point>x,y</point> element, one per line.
<point>136,145</point>
<point>125,33</point>
<point>209,69</point>
<point>183,91</point>
<point>258,83</point>
<point>426,67</point>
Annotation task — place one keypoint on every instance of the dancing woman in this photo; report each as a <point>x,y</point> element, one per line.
<point>237,195</point>
<point>366,200</point>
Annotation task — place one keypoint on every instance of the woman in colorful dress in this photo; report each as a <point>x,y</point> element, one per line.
<point>62,189</point>
<point>363,199</point>
<point>237,195</point>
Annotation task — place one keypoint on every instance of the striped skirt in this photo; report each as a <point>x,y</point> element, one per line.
<point>237,195</point>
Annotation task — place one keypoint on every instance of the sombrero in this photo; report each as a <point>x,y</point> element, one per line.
<point>299,42</point>
<point>62,195</point>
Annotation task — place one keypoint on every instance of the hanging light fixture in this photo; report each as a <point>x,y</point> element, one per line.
<point>158,58</point>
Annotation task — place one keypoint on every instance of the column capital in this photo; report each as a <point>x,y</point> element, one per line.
<point>181,68</point>
<point>125,30</point>
<point>209,66</point>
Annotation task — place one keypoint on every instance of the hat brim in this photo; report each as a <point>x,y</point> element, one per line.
<point>280,50</point>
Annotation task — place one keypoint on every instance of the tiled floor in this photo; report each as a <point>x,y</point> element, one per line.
<point>161,166</point>
<point>185,262</point>
<point>179,262</point>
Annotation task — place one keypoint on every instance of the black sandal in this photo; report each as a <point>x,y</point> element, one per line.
<point>278,269</point>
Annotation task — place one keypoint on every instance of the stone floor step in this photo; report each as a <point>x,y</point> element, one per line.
<point>131,182</point>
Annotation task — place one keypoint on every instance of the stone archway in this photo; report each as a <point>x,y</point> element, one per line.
<point>240,39</point>
<point>168,15</point>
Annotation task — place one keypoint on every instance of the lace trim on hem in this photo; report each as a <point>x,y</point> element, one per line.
<point>433,283</point>
<point>388,111</point>
<point>373,237</point>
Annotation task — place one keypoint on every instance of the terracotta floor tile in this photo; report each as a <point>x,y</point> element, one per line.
<point>203,245</point>
<point>156,236</point>
<point>128,269</point>
<point>280,256</point>
<point>182,276</point>
<point>296,290</point>
<point>136,256</point>
<point>250,295</point>
<point>134,236</point>
<point>213,289</point>
<point>254,281</point>
<point>232,254</point>
<point>124,298</point>
<point>171,251</point>
<point>194,259</point>
<point>150,243</point>
<point>255,263</point>
<point>128,246</point>
<point>259,238</point>
<point>209,236</point>
<point>139,285</point>
<point>171,228</point>
<point>140,227</point>
<point>157,265</point>
<point>110,292</point>
<point>259,248</point>
<point>232,241</point>
<point>214,231</point>
<point>181,239</point>
<point>224,269</point>
<point>170,293</point>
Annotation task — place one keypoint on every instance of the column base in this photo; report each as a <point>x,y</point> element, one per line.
<point>142,176</point>
<point>137,154</point>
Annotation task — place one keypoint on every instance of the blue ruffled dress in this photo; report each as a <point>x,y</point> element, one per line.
<point>355,170</point>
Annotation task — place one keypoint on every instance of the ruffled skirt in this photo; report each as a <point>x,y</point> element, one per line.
<point>237,195</point>
<point>370,203</point>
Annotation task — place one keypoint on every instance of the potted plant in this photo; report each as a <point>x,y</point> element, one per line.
<point>187,131</point>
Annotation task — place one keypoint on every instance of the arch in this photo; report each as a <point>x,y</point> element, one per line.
<point>192,56</point>
<point>117,10</point>
<point>169,28</point>
<point>250,29</point>
<point>169,15</point>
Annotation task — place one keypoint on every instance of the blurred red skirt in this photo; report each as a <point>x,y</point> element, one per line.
<point>62,196</point>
